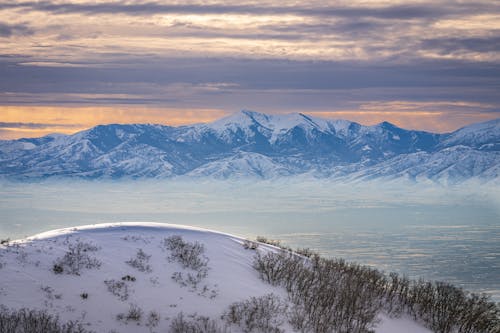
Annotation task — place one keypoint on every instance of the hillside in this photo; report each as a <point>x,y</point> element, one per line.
<point>256,145</point>
<point>131,266</point>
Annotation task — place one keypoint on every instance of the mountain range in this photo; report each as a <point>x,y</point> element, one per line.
<point>251,144</point>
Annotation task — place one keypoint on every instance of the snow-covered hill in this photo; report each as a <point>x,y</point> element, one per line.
<point>251,144</point>
<point>129,278</point>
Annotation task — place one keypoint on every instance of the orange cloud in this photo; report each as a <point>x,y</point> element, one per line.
<point>432,121</point>
<point>72,119</point>
<point>43,120</point>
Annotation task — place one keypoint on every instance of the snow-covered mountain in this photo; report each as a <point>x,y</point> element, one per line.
<point>251,144</point>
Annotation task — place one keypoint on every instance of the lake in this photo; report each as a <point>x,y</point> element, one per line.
<point>447,233</point>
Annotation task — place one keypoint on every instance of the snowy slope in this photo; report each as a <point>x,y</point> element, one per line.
<point>251,144</point>
<point>27,278</point>
<point>483,136</point>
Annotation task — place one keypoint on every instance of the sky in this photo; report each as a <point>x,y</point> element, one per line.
<point>69,65</point>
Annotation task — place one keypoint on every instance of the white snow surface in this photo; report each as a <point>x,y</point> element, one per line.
<point>274,126</point>
<point>27,279</point>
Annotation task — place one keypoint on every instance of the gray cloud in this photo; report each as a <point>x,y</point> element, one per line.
<point>476,44</point>
<point>261,84</point>
<point>34,125</point>
<point>8,30</point>
<point>345,28</point>
<point>386,37</point>
<point>430,10</point>
<point>204,33</point>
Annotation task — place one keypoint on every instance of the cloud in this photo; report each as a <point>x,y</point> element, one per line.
<point>273,56</point>
<point>34,125</point>
<point>450,45</point>
<point>35,121</point>
<point>395,11</point>
<point>136,75</point>
<point>8,30</point>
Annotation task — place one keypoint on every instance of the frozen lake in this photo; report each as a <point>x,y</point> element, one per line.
<point>428,231</point>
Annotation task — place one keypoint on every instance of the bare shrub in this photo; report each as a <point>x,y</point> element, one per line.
<point>152,320</point>
<point>134,314</point>
<point>50,293</point>
<point>328,295</point>
<point>250,245</point>
<point>333,295</point>
<point>141,262</point>
<point>273,242</point>
<point>77,258</point>
<point>279,268</point>
<point>189,255</point>
<point>445,308</point>
<point>195,324</point>
<point>34,321</point>
<point>306,252</point>
<point>258,314</point>
<point>189,279</point>
<point>118,288</point>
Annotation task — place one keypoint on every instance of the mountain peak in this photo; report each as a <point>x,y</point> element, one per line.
<point>387,125</point>
<point>250,113</point>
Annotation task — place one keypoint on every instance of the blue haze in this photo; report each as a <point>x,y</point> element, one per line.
<point>444,233</point>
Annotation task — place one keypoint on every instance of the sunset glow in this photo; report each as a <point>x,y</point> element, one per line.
<point>69,65</point>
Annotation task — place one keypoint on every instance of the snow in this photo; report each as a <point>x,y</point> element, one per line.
<point>242,165</point>
<point>276,125</point>
<point>19,145</point>
<point>254,144</point>
<point>475,134</point>
<point>398,325</point>
<point>27,279</point>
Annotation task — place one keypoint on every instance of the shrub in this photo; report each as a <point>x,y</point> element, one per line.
<point>141,262</point>
<point>250,245</point>
<point>189,255</point>
<point>34,321</point>
<point>76,258</point>
<point>134,314</point>
<point>306,252</point>
<point>152,320</point>
<point>195,324</point>
<point>328,295</point>
<point>272,242</point>
<point>117,288</point>
<point>445,308</point>
<point>332,295</point>
<point>258,314</point>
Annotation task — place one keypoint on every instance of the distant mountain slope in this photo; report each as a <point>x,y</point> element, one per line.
<point>251,144</point>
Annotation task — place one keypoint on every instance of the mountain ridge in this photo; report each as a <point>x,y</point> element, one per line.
<point>252,144</point>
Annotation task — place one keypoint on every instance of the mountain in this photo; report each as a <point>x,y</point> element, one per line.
<point>251,144</point>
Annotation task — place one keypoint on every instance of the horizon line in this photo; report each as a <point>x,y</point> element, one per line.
<point>77,128</point>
